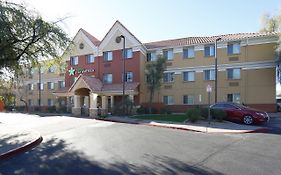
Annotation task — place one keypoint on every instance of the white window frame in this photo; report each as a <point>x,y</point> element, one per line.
<point>61,84</point>
<point>107,78</point>
<point>190,99</point>
<point>170,77</point>
<point>190,52</point>
<point>129,53</point>
<point>211,52</point>
<point>169,54</point>
<point>74,60</point>
<point>90,58</point>
<point>188,74</point>
<point>108,56</point>
<point>234,74</point>
<point>170,100</point>
<point>153,56</point>
<point>51,85</point>
<point>211,75</point>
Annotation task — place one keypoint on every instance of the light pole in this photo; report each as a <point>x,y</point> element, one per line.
<point>216,69</point>
<point>40,94</point>
<point>118,40</point>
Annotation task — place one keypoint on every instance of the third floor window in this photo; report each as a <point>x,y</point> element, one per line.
<point>188,52</point>
<point>189,76</point>
<point>168,77</point>
<point>107,56</point>
<point>209,74</point>
<point>74,60</point>
<point>107,78</point>
<point>151,56</point>
<point>90,58</point>
<point>233,74</point>
<point>209,50</point>
<point>129,53</point>
<point>168,54</point>
<point>233,48</point>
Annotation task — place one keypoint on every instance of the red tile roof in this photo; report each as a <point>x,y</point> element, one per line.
<point>93,83</point>
<point>205,40</point>
<point>93,39</point>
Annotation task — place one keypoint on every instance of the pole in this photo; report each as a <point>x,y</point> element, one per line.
<point>209,109</point>
<point>39,102</point>
<point>124,75</point>
<point>216,70</point>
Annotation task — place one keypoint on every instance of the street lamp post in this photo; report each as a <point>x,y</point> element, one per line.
<point>118,40</point>
<point>216,69</point>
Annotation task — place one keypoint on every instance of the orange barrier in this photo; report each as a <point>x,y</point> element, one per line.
<point>1,106</point>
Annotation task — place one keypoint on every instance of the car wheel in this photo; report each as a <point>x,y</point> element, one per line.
<point>248,120</point>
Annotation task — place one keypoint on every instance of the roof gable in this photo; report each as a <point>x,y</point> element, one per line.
<point>108,43</point>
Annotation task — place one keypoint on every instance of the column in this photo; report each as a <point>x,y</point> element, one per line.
<point>76,110</point>
<point>93,110</point>
<point>112,101</point>
<point>131,98</point>
<point>104,105</point>
<point>86,101</point>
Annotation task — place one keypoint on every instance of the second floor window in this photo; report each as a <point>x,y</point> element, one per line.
<point>30,87</point>
<point>129,53</point>
<point>188,52</point>
<point>61,84</point>
<point>107,56</point>
<point>168,77</point>
<point>151,56</point>
<point>51,69</point>
<point>209,50</point>
<point>233,48</point>
<point>209,74</point>
<point>107,78</point>
<point>233,74</point>
<point>51,86</point>
<point>90,58</point>
<point>40,86</point>
<point>189,76</point>
<point>168,54</point>
<point>74,60</point>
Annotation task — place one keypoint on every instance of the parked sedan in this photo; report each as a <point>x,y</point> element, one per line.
<point>240,113</point>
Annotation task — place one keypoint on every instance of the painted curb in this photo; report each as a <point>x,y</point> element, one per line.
<point>260,130</point>
<point>26,147</point>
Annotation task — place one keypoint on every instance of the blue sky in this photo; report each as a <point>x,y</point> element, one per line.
<point>153,20</point>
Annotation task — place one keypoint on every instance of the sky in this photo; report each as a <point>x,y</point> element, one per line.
<point>154,20</point>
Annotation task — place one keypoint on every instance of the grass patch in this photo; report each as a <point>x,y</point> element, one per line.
<point>163,117</point>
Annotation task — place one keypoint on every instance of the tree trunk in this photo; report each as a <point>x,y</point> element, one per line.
<point>150,100</point>
<point>25,103</point>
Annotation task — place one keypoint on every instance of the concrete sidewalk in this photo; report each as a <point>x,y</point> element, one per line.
<point>200,126</point>
<point>14,141</point>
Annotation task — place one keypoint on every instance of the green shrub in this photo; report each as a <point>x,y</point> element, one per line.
<point>204,112</point>
<point>193,115</point>
<point>218,114</point>
<point>51,109</point>
<point>142,110</point>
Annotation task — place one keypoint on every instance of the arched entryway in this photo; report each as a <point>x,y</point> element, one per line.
<point>82,101</point>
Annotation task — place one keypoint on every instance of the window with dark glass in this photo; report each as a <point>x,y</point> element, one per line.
<point>188,99</point>
<point>209,50</point>
<point>189,76</point>
<point>188,52</point>
<point>151,56</point>
<point>233,74</point>
<point>90,58</point>
<point>168,54</point>
<point>209,74</point>
<point>107,78</point>
<point>168,77</point>
<point>74,60</point>
<point>168,100</point>
<point>107,56</point>
<point>233,48</point>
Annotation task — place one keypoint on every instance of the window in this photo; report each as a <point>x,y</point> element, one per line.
<point>50,102</point>
<point>129,76</point>
<point>74,60</point>
<point>168,77</point>
<point>209,74</point>
<point>189,76</point>
<point>188,52</point>
<point>90,58</point>
<point>151,56</point>
<point>30,87</point>
<point>51,69</point>
<point>235,97</point>
<point>188,99</point>
<point>168,100</point>
<point>209,50</point>
<point>29,102</point>
<point>233,48</point>
<point>168,54</point>
<point>51,85</point>
<point>40,86</point>
<point>107,56</point>
<point>107,78</point>
<point>233,74</point>
<point>129,53</point>
<point>30,73</point>
<point>61,84</point>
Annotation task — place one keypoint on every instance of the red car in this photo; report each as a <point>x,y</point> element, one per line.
<point>240,113</point>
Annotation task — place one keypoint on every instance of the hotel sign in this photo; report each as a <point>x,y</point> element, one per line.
<point>73,71</point>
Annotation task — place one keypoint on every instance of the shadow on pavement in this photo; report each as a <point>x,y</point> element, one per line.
<point>52,157</point>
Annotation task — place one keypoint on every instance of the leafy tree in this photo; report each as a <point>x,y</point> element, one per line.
<point>273,24</point>
<point>154,73</point>
<point>25,37</point>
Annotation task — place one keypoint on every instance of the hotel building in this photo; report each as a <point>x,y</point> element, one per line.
<point>93,76</point>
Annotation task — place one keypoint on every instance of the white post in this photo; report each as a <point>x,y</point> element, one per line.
<point>112,101</point>
<point>104,102</point>
<point>86,101</point>
<point>131,97</point>
<point>93,100</point>
<point>77,102</point>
